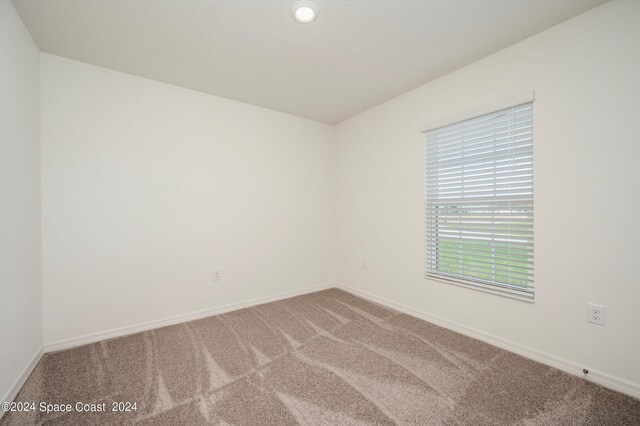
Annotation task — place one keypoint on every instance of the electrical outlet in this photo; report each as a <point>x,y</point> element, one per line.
<point>365,264</point>
<point>217,275</point>
<point>596,313</point>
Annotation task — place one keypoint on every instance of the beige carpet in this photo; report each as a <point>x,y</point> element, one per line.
<point>327,358</point>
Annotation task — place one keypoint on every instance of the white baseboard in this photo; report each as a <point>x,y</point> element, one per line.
<point>611,382</point>
<point>176,319</point>
<point>24,375</point>
<point>606,380</point>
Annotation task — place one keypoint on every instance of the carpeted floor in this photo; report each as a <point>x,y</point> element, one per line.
<point>327,358</point>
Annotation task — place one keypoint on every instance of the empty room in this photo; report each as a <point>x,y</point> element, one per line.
<point>319,212</point>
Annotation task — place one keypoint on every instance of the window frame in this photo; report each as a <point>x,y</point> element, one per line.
<point>478,284</point>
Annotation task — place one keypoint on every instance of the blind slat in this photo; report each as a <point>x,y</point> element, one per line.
<point>525,290</point>
<point>481,243</point>
<point>502,153</point>
<point>472,141</point>
<point>486,269</point>
<point>476,121</point>
<point>499,166</point>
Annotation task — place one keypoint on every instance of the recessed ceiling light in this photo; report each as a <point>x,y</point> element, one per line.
<point>304,11</point>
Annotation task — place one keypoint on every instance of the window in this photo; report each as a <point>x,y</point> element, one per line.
<point>479,200</point>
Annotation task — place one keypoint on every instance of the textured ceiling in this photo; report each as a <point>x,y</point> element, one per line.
<point>357,54</point>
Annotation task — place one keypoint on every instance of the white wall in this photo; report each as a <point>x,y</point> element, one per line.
<point>148,187</point>
<point>586,74</point>
<point>20,289</point>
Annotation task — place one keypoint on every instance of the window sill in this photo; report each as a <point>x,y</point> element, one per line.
<point>529,298</point>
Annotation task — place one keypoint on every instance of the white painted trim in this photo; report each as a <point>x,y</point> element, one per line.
<point>606,380</point>
<point>523,98</point>
<point>176,319</point>
<point>498,291</point>
<point>17,385</point>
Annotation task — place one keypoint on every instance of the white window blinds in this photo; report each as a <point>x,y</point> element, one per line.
<point>479,201</point>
